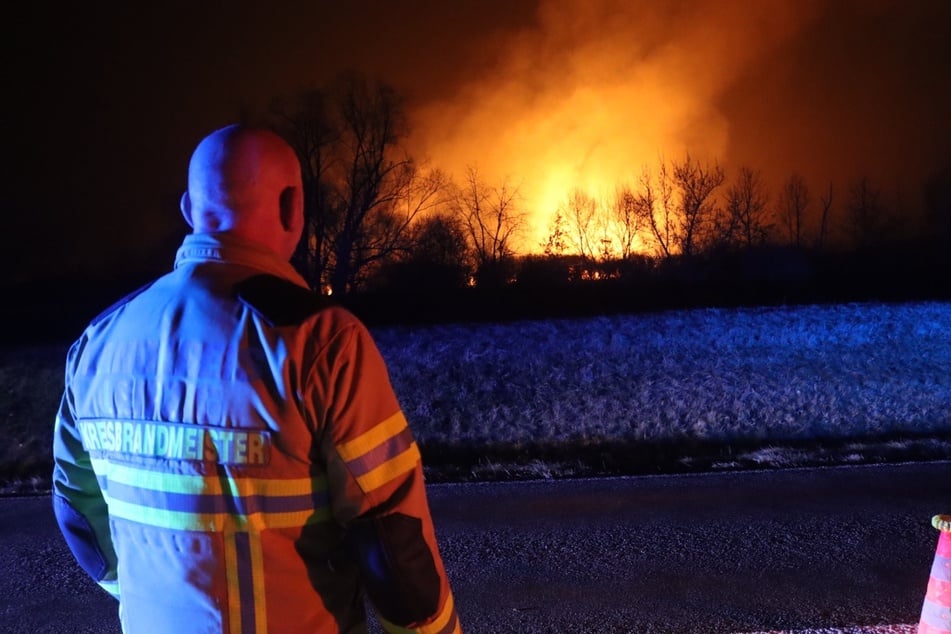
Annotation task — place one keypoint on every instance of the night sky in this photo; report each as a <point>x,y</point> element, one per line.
<point>105,103</point>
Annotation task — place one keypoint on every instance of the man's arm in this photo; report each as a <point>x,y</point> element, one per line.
<point>378,492</point>
<point>78,503</point>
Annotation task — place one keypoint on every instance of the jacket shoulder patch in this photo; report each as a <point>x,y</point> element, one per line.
<point>280,302</point>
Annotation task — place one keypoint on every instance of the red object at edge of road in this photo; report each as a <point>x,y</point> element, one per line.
<point>936,611</point>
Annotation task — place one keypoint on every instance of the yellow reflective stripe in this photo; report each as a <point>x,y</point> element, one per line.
<point>262,521</point>
<point>440,623</point>
<point>257,570</point>
<point>368,440</point>
<point>112,587</point>
<point>210,485</point>
<point>436,626</point>
<point>392,468</point>
<point>213,522</point>
<point>234,594</point>
<point>145,479</point>
<point>162,518</point>
<point>158,481</point>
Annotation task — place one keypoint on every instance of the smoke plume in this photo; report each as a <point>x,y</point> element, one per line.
<point>593,91</point>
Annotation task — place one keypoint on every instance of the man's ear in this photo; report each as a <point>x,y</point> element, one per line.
<point>186,206</point>
<point>292,209</point>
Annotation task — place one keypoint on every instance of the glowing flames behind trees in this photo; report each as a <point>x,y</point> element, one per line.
<point>569,118</point>
<point>793,204</point>
<point>373,212</point>
<point>552,96</point>
<point>362,189</point>
<point>747,221</point>
<point>492,217</point>
<point>590,92</point>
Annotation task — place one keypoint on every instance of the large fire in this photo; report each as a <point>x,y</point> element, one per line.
<point>598,91</point>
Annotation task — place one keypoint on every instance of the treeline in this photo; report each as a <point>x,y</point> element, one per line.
<point>379,222</point>
<point>550,286</point>
<point>553,286</point>
<point>399,241</point>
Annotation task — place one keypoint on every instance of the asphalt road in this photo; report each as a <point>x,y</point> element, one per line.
<point>730,552</point>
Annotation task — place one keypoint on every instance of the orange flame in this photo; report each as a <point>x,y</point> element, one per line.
<point>596,92</point>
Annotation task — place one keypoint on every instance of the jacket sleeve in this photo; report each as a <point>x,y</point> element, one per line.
<point>78,502</point>
<point>377,490</point>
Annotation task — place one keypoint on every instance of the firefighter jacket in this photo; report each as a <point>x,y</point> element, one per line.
<point>229,456</point>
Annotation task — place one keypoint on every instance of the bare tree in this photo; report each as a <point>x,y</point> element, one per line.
<point>362,190</point>
<point>824,218</point>
<point>695,185</point>
<point>579,211</point>
<point>440,239</point>
<point>866,221</point>
<point>492,218</point>
<point>627,221</point>
<point>604,230</point>
<point>374,177</point>
<point>746,206</point>
<point>386,233</point>
<point>655,206</point>
<point>308,126</point>
<point>557,241</point>
<point>439,258</point>
<point>794,200</point>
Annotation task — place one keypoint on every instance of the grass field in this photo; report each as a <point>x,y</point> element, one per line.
<point>685,390</point>
<point>703,388</point>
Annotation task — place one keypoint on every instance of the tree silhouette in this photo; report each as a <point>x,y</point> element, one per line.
<point>655,205</point>
<point>695,184</point>
<point>866,214</point>
<point>492,219</point>
<point>746,210</point>
<point>362,190</point>
<point>381,188</point>
<point>307,125</point>
<point>439,258</point>
<point>794,200</point>
<point>579,210</point>
<point>557,242</point>
<point>628,222</point>
<point>824,216</point>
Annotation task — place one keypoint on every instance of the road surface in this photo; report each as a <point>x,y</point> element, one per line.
<point>729,552</point>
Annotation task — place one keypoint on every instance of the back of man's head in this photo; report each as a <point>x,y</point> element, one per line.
<point>246,181</point>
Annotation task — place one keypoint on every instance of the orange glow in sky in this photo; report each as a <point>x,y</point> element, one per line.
<point>598,90</point>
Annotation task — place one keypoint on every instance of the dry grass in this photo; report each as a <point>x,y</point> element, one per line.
<point>705,375</point>
<point>680,390</point>
<point>694,389</point>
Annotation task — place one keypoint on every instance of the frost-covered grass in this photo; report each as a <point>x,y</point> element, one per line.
<point>31,383</point>
<point>690,389</point>
<point>705,378</point>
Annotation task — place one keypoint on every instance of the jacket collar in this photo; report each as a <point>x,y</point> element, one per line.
<point>222,247</point>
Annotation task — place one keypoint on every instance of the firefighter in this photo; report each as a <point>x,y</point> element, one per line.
<point>229,452</point>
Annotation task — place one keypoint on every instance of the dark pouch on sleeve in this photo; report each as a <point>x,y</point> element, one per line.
<point>398,567</point>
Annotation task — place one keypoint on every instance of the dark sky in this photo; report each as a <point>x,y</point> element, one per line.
<point>105,103</point>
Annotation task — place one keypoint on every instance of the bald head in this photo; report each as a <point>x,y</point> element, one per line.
<point>247,182</point>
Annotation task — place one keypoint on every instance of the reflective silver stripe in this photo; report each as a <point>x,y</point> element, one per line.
<point>213,504</point>
<point>935,615</point>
